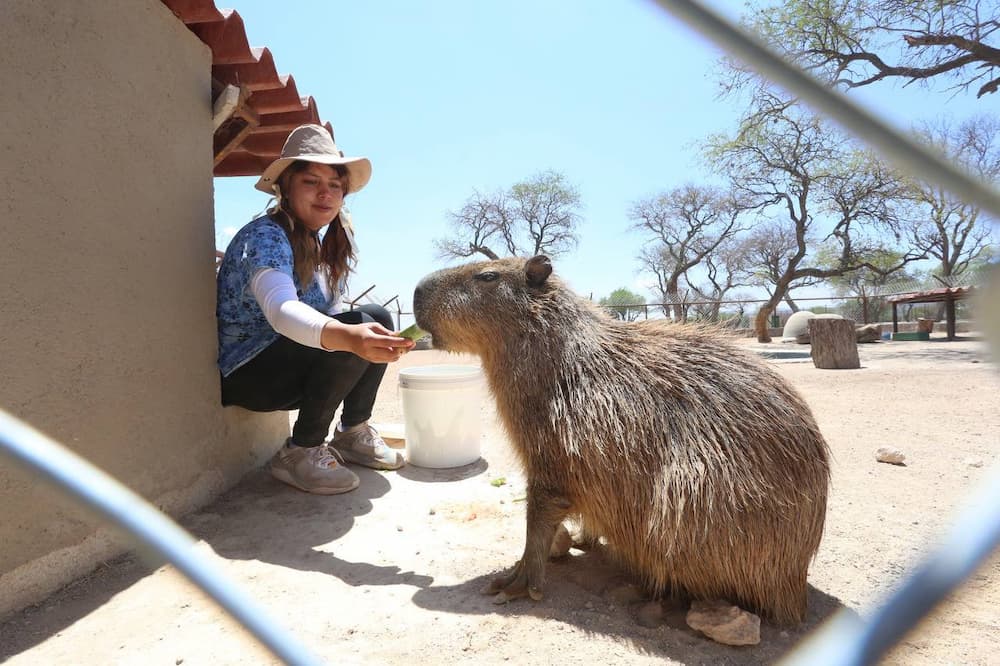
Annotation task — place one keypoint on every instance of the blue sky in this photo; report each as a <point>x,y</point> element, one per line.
<point>447,96</point>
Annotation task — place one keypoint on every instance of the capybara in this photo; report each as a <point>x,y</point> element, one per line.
<point>702,468</point>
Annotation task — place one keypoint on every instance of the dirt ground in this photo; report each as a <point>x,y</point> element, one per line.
<point>391,573</point>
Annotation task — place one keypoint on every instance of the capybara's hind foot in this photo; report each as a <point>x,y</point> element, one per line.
<point>514,585</point>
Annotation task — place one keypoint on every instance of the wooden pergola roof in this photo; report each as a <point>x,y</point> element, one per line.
<point>946,295</point>
<point>254,107</point>
<point>941,295</point>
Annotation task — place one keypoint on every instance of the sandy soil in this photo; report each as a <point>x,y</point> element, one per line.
<point>391,573</point>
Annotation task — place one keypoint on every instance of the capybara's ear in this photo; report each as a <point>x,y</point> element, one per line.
<point>538,269</point>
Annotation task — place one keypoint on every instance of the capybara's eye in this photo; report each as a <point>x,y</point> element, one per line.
<point>487,276</point>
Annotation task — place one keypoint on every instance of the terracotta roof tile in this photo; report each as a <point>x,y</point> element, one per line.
<point>194,11</point>
<point>279,100</point>
<point>255,70</point>
<point>273,106</point>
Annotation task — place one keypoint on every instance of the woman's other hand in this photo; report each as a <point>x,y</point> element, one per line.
<point>371,341</point>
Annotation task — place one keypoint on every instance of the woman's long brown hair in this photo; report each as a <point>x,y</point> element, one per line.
<point>333,256</point>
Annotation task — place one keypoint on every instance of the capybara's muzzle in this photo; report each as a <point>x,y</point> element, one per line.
<point>420,296</point>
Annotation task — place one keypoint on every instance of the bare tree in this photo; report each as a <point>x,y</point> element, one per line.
<point>687,224</point>
<point>854,43</point>
<point>725,269</point>
<point>769,250</point>
<point>785,159</point>
<point>549,208</point>
<point>477,227</point>
<point>535,216</point>
<point>944,227</point>
<point>655,259</point>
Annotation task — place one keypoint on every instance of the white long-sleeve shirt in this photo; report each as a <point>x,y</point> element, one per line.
<point>276,295</point>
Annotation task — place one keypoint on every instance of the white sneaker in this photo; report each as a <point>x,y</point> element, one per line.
<point>363,445</point>
<point>314,469</point>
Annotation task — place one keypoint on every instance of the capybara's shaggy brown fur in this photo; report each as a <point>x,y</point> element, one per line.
<point>702,469</point>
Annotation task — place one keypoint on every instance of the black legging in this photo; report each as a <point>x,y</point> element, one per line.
<point>287,375</point>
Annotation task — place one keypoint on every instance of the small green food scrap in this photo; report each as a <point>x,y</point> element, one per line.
<point>413,332</point>
<point>499,481</point>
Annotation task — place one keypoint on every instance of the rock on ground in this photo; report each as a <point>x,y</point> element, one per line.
<point>868,333</point>
<point>724,623</point>
<point>561,542</point>
<point>887,454</point>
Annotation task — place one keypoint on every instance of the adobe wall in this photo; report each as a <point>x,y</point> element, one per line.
<point>107,303</point>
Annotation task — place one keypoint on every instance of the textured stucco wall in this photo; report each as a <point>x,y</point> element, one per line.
<point>107,292</point>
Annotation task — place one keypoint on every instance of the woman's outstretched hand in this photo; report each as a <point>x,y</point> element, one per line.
<point>371,341</point>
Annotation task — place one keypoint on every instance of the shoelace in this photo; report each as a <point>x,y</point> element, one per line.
<point>378,444</point>
<point>370,437</point>
<point>326,455</point>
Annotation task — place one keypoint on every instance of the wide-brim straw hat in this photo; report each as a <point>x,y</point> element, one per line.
<point>313,143</point>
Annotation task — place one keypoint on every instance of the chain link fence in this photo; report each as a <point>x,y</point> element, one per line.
<point>870,306</point>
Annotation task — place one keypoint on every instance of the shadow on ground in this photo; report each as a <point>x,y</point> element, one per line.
<point>302,532</point>
<point>34,625</point>
<point>298,523</point>
<point>428,475</point>
<point>935,350</point>
<point>939,350</point>
<point>579,591</point>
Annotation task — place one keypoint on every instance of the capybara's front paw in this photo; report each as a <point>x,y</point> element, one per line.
<point>518,583</point>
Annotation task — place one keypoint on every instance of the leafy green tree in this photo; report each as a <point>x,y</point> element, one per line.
<point>623,304</point>
<point>871,283</point>
<point>987,261</point>
<point>538,215</point>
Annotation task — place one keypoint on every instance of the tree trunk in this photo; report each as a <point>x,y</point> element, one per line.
<point>833,344</point>
<point>482,249</point>
<point>674,301</point>
<point>761,324</point>
<point>713,314</point>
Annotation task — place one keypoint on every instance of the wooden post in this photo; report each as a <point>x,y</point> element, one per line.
<point>950,316</point>
<point>833,344</point>
<point>895,318</point>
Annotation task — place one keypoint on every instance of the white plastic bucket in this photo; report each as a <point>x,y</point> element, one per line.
<point>442,414</point>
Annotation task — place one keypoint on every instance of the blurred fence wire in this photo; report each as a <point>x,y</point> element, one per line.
<point>977,533</point>
<point>905,153</point>
<point>158,537</point>
<point>841,641</point>
<point>867,303</point>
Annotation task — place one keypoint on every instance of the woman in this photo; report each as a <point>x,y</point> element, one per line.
<point>284,343</point>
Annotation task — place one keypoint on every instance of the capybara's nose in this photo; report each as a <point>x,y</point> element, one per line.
<point>418,294</point>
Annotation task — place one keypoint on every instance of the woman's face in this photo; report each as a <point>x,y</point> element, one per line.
<point>315,195</point>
